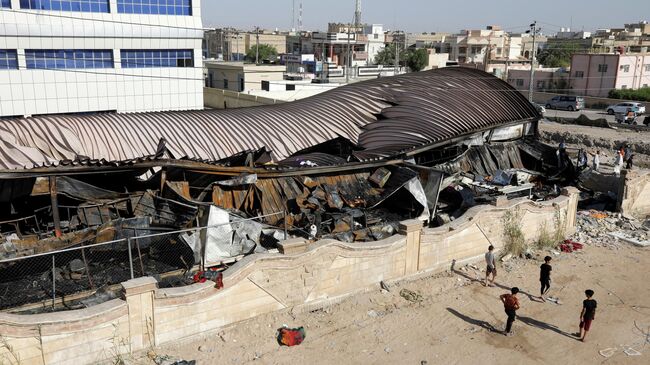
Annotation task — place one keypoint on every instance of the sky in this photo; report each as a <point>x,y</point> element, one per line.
<point>429,15</point>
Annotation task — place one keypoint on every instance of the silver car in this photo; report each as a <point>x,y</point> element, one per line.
<point>566,102</point>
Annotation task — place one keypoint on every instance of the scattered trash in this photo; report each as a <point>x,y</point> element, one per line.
<point>411,296</point>
<point>569,246</point>
<point>384,286</point>
<point>388,350</point>
<point>554,300</point>
<point>291,336</point>
<point>373,314</point>
<point>608,352</point>
<point>631,352</point>
<point>506,257</point>
<point>213,275</point>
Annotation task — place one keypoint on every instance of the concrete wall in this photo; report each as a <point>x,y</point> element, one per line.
<point>326,272</point>
<point>225,99</point>
<point>634,193</point>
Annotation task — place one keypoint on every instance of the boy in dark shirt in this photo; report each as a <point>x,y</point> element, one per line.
<point>545,277</point>
<point>588,314</point>
<point>510,304</point>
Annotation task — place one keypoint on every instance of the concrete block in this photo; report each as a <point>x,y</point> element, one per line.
<point>293,246</point>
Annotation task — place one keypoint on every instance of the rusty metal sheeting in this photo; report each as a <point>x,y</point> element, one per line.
<point>486,160</point>
<point>314,159</point>
<point>385,114</point>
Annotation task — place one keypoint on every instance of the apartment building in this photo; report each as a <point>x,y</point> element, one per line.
<point>597,74</point>
<point>79,56</point>
<point>363,45</point>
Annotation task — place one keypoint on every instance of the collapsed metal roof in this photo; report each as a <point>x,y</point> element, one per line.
<point>383,117</point>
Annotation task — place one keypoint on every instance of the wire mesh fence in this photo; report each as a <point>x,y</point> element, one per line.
<point>88,274</point>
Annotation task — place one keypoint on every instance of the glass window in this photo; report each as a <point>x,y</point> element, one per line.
<point>68,58</point>
<point>135,58</point>
<point>5,4</point>
<point>163,7</point>
<point>8,59</point>
<point>602,67</point>
<point>91,6</point>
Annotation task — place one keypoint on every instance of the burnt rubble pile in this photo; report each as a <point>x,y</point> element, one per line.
<point>610,230</point>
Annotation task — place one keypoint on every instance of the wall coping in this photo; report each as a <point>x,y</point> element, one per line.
<point>77,315</point>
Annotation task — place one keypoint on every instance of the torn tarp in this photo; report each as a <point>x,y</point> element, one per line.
<point>226,238</point>
<point>247,179</point>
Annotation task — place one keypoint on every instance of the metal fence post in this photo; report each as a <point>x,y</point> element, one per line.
<point>53,281</point>
<point>286,235</point>
<point>130,258</point>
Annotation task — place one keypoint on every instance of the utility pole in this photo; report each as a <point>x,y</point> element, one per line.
<point>533,30</point>
<point>396,42</point>
<point>257,45</point>
<point>347,62</point>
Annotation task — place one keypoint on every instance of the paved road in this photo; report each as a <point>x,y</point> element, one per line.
<point>593,114</point>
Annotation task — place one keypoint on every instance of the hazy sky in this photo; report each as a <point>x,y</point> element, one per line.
<point>429,15</point>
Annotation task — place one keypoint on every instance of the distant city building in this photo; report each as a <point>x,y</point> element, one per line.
<point>361,46</point>
<point>597,74</point>
<point>229,44</point>
<point>546,79</point>
<point>239,76</point>
<point>72,56</point>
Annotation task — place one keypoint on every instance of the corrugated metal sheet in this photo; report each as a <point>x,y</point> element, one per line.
<point>386,114</point>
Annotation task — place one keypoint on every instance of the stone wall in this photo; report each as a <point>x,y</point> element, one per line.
<point>225,99</point>
<point>634,193</point>
<point>324,273</point>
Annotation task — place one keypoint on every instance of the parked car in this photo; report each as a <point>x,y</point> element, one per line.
<point>566,102</point>
<point>623,107</point>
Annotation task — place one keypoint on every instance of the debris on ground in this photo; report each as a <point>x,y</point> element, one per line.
<point>608,352</point>
<point>631,352</point>
<point>411,296</point>
<point>610,230</point>
<point>291,336</point>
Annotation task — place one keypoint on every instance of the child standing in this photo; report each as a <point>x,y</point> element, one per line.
<point>545,277</point>
<point>491,268</point>
<point>588,314</point>
<point>510,304</point>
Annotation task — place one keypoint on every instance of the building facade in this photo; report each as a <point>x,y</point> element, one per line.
<point>239,76</point>
<point>80,56</point>
<point>597,74</point>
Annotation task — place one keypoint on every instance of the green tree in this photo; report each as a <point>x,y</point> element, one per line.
<point>557,55</point>
<point>267,53</point>
<point>417,59</point>
<point>386,56</point>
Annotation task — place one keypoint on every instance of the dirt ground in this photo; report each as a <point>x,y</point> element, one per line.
<point>459,320</point>
<point>604,139</point>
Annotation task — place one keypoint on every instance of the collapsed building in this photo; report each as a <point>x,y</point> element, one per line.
<point>347,164</point>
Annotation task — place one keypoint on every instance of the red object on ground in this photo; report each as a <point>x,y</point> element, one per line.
<point>291,336</point>
<point>203,276</point>
<point>569,246</point>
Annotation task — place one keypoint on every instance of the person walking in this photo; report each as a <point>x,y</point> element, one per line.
<point>511,305</point>
<point>588,314</point>
<point>491,268</point>
<point>596,163</point>
<point>545,277</point>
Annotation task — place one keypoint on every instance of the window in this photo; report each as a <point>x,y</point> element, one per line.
<point>157,58</point>
<point>376,36</point>
<point>623,87</point>
<point>225,84</point>
<point>520,82</point>
<point>5,4</point>
<point>91,6</point>
<point>625,68</point>
<point>645,85</point>
<point>647,68</point>
<point>602,67</point>
<point>580,74</point>
<point>8,59</point>
<point>68,58</point>
<point>162,7</point>
<point>540,84</point>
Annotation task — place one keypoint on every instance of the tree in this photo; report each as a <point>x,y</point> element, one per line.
<point>267,53</point>
<point>386,56</point>
<point>557,55</point>
<point>417,59</point>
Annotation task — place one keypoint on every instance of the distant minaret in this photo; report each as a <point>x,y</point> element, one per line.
<point>357,15</point>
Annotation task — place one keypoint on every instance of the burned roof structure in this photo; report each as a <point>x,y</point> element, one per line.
<point>380,117</point>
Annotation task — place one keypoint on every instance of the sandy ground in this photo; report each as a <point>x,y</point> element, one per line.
<point>458,321</point>
<point>604,139</point>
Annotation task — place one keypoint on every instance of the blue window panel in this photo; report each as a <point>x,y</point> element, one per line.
<point>163,7</point>
<point>90,6</point>
<point>5,4</point>
<point>8,59</point>
<point>68,59</point>
<point>156,58</point>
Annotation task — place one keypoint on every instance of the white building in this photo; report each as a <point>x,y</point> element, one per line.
<point>71,56</point>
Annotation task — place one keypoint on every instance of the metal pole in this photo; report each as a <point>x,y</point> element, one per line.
<point>53,280</point>
<point>347,62</point>
<point>396,43</point>
<point>257,45</point>
<point>130,259</point>
<point>286,236</point>
<point>55,207</point>
<point>532,62</point>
